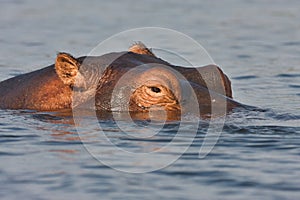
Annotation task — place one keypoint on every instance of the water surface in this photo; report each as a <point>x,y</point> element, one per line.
<point>257,44</point>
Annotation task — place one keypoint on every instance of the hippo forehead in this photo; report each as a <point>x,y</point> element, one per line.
<point>109,68</point>
<point>118,59</point>
<point>96,69</point>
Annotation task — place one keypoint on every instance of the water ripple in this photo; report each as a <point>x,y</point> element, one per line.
<point>245,77</point>
<point>294,86</point>
<point>291,43</point>
<point>288,75</point>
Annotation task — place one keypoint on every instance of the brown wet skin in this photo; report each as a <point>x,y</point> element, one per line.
<point>135,80</point>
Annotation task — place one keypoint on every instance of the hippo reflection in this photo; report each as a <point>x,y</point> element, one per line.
<point>135,80</point>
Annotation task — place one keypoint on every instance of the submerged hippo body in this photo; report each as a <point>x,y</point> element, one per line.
<point>135,80</point>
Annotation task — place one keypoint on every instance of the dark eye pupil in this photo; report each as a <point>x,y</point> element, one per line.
<point>155,89</point>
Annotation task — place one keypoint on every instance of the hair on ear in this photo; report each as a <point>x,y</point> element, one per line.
<point>66,67</point>
<point>140,48</point>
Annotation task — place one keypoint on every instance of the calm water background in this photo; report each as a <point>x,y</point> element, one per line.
<point>256,42</point>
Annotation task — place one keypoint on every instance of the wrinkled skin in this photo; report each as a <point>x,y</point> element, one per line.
<point>134,81</point>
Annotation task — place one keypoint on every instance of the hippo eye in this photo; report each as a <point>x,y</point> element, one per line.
<point>155,89</point>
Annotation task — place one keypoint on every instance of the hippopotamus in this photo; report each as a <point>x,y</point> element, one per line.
<point>135,80</point>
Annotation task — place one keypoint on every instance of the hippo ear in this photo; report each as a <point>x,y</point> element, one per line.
<point>140,48</point>
<point>67,68</point>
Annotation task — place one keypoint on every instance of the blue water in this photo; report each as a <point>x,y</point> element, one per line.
<point>257,44</point>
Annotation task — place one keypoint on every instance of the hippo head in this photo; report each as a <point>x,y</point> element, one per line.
<point>135,81</point>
